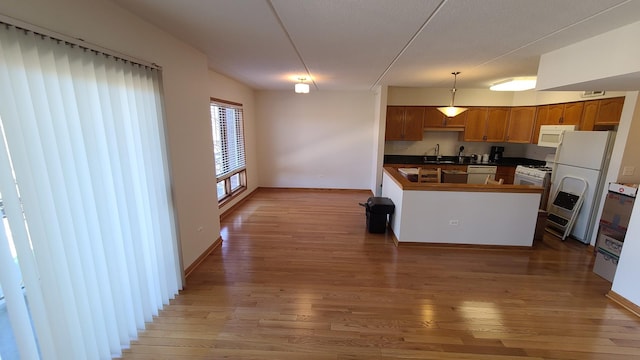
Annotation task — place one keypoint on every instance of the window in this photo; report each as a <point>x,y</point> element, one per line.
<point>228,148</point>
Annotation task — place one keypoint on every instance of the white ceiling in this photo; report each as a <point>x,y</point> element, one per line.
<point>358,44</point>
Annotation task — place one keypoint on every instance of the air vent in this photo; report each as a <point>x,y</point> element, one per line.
<point>592,93</point>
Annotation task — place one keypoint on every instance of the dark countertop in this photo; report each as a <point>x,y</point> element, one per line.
<point>406,184</point>
<point>454,160</point>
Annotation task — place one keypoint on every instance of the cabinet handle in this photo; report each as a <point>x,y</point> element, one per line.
<point>561,120</point>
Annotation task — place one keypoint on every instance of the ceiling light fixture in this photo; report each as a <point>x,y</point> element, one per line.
<point>515,84</point>
<point>301,87</point>
<point>451,111</point>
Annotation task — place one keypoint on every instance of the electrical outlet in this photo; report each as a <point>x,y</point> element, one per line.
<point>454,222</point>
<point>628,170</point>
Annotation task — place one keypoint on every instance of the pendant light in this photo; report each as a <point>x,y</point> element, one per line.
<point>451,111</point>
<point>301,87</point>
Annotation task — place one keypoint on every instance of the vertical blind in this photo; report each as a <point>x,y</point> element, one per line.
<point>228,138</point>
<point>85,186</point>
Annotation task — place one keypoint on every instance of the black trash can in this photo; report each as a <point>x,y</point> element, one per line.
<point>378,208</point>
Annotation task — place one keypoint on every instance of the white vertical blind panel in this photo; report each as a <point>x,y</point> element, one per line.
<point>19,316</point>
<point>9,105</point>
<point>107,177</point>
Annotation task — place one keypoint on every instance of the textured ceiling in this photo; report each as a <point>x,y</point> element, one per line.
<point>358,44</point>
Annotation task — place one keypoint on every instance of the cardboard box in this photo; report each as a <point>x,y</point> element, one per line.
<point>605,264</point>
<point>611,231</point>
<point>617,211</point>
<point>609,244</point>
<point>624,189</point>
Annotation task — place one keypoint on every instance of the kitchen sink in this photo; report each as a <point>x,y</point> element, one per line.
<point>440,162</point>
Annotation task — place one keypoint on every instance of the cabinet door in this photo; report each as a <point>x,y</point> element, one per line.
<point>572,114</point>
<point>497,119</point>
<point>394,123</point>
<point>521,121</point>
<point>456,121</point>
<point>610,111</point>
<point>542,112</point>
<point>433,118</point>
<point>589,114</point>
<point>554,115</point>
<point>507,173</point>
<point>476,124</point>
<point>413,127</point>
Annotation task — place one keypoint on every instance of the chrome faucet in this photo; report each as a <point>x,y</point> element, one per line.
<point>438,152</point>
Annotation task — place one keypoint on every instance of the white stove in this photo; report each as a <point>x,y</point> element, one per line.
<point>536,176</point>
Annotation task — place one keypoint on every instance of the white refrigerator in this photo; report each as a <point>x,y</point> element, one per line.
<point>584,154</point>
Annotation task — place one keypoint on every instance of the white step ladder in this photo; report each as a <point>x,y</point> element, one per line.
<point>565,207</point>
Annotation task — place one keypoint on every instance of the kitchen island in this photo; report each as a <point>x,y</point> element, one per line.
<point>474,214</point>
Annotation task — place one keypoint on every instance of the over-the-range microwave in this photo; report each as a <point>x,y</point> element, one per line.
<point>551,135</point>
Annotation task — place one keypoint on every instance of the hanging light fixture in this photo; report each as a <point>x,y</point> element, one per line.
<point>301,87</point>
<point>451,111</point>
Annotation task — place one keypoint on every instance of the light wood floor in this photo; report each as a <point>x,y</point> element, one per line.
<point>298,277</point>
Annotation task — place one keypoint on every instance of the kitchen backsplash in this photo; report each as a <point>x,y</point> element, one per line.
<point>449,145</point>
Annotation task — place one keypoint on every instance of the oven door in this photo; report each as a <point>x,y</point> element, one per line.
<point>523,179</point>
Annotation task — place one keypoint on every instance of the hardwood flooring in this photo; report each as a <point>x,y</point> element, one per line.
<point>299,277</point>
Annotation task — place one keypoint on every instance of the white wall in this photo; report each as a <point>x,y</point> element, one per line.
<point>439,97</point>
<point>625,282</point>
<point>185,93</point>
<point>380,111</point>
<point>602,62</point>
<point>315,140</point>
<point>225,88</point>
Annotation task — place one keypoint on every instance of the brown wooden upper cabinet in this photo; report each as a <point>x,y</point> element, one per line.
<point>521,123</point>
<point>486,124</point>
<point>558,114</point>
<point>434,119</point>
<point>404,123</point>
<point>601,114</point>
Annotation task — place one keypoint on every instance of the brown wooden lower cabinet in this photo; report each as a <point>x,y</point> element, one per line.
<point>506,172</point>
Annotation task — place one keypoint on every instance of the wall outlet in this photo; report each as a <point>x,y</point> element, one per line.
<point>628,170</point>
<point>454,222</point>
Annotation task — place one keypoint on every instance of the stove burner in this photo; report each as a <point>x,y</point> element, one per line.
<point>538,167</point>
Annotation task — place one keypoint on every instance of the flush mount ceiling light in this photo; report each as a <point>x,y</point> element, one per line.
<point>451,111</point>
<point>515,84</point>
<point>302,87</point>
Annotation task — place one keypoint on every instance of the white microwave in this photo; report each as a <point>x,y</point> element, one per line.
<point>551,135</point>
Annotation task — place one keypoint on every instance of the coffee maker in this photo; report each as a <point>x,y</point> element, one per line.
<point>496,153</point>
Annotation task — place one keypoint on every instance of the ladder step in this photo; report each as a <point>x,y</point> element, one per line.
<point>558,220</point>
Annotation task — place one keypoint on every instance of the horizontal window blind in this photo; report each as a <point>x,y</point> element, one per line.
<point>228,138</point>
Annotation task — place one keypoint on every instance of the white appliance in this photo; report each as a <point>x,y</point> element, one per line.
<point>536,176</point>
<point>551,135</point>
<point>584,155</point>
<point>477,174</point>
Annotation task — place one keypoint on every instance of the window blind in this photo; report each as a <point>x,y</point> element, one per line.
<point>228,138</point>
<point>85,187</point>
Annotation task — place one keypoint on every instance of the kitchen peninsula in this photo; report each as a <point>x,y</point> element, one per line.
<point>474,214</point>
